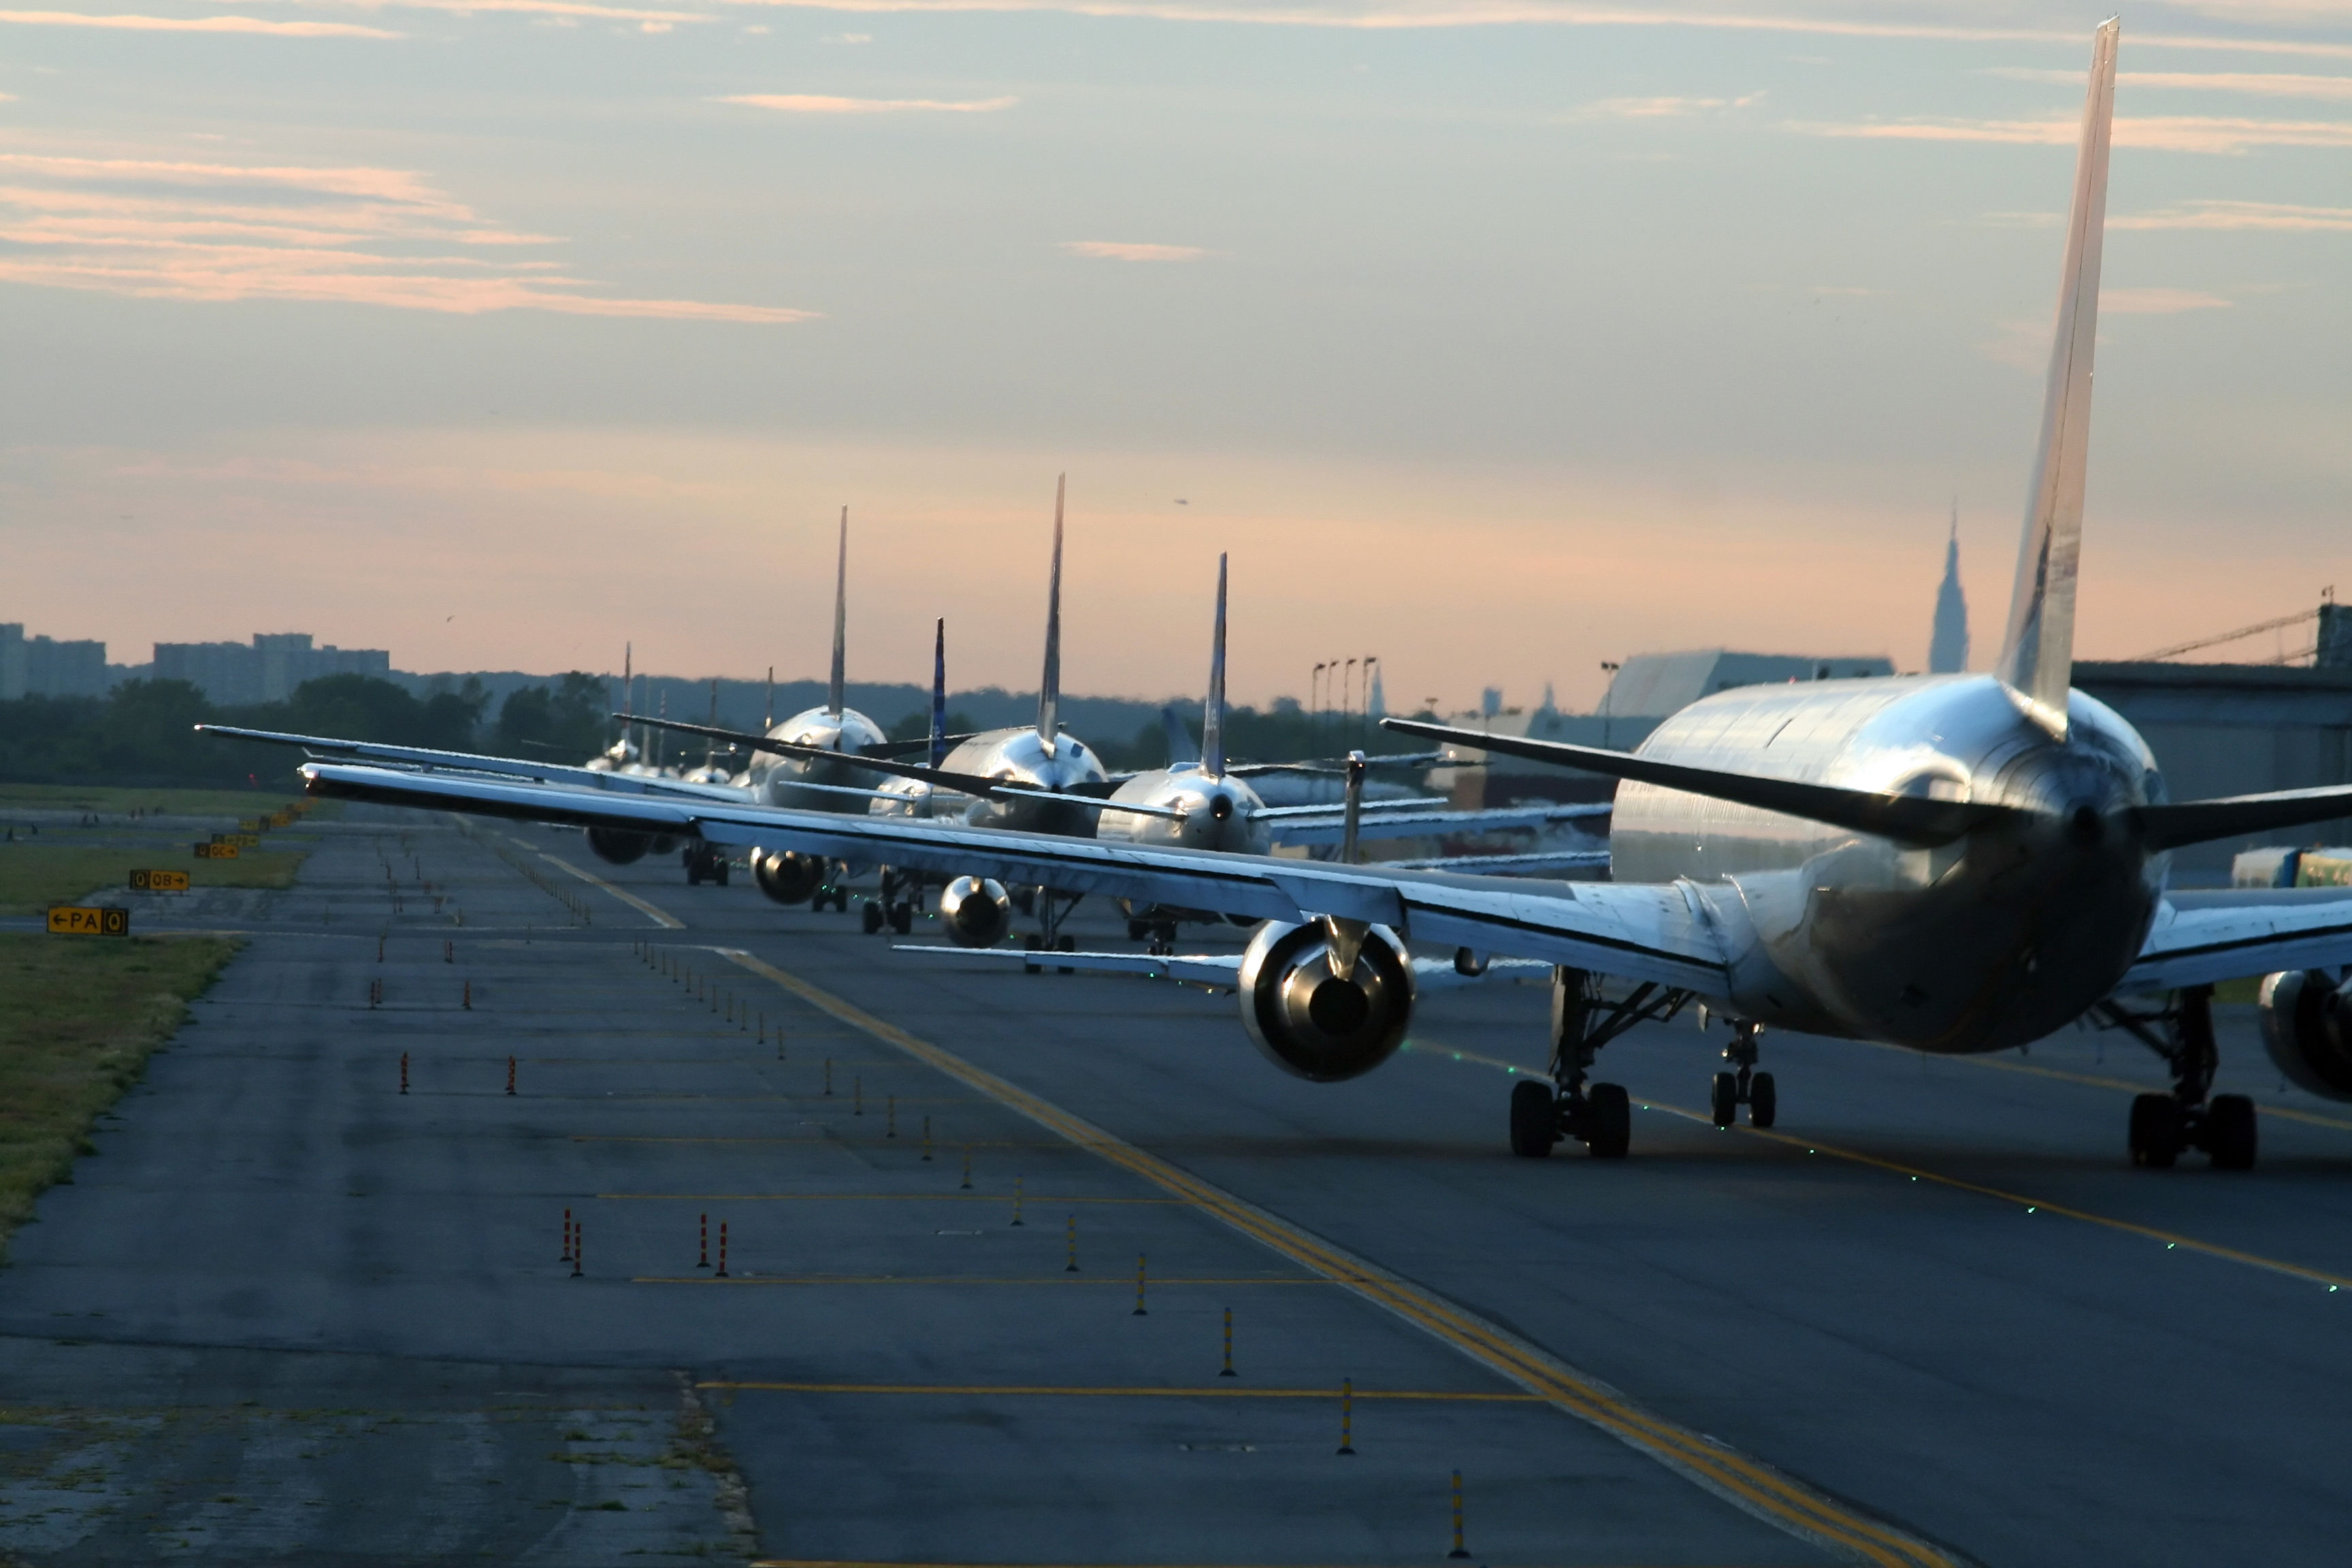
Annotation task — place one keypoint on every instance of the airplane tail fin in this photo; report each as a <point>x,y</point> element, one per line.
<point>2037,656</point>
<point>1049,687</point>
<point>938,753</point>
<point>840,620</point>
<point>1180,749</point>
<point>1212,714</point>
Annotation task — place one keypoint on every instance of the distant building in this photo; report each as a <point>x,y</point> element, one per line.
<point>1646,689</point>
<point>235,674</point>
<point>1947,649</point>
<point>42,666</point>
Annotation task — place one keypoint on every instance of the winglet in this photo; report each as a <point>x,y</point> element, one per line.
<point>2037,656</point>
<point>938,751</point>
<point>840,620</point>
<point>1049,688</point>
<point>1213,715</point>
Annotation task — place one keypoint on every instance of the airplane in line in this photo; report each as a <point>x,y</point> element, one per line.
<point>1199,800</point>
<point>1957,864</point>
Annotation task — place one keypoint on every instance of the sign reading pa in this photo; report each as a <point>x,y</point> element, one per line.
<point>87,919</point>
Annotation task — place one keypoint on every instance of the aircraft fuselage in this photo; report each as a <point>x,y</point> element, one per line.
<point>1996,939</point>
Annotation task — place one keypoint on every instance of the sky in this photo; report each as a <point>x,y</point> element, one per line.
<point>1497,339</point>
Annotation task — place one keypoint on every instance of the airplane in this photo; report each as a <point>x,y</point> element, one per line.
<point>1198,801</point>
<point>1956,864</point>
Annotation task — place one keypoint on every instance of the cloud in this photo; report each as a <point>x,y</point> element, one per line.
<point>814,104</point>
<point>171,229</point>
<point>2158,301</point>
<point>2268,84</point>
<point>1122,250</point>
<point>846,38</point>
<point>2281,215</point>
<point>1404,15</point>
<point>1660,107</point>
<point>554,10</point>
<point>2174,133</point>
<point>194,25</point>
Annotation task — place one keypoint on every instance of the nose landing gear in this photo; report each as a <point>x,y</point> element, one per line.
<point>1745,1086</point>
<point>1599,1116</point>
<point>2163,1125</point>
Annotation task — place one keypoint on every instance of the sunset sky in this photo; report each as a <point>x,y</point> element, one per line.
<point>1497,339</point>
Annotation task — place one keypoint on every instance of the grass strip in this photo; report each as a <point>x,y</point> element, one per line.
<point>78,1018</point>
<point>120,800</point>
<point>35,876</point>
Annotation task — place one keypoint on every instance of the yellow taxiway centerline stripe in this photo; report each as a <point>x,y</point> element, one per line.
<point>662,918</point>
<point>1748,1484</point>
<point>2172,1239</point>
<point>991,1197</point>
<point>2287,1113</point>
<point>1228,1391</point>
<point>1120,1280</point>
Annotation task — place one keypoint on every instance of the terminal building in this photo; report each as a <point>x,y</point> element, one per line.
<point>43,667</point>
<point>235,674</point>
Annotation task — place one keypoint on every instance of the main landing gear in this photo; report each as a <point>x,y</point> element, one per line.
<point>1582,1021</point>
<point>2162,1125</point>
<point>1744,1086</point>
<point>704,863</point>
<point>897,902</point>
<point>1051,909</point>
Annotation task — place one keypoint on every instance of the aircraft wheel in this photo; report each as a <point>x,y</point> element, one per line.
<point>1535,1125</point>
<point>1066,944</point>
<point>1031,943</point>
<point>2155,1131</point>
<point>1727,1100</point>
<point>870,916</point>
<point>2230,1135</point>
<point>902,918</point>
<point>841,901</point>
<point>1137,930</point>
<point>1763,1103</point>
<point>693,875</point>
<point>1608,1121</point>
<point>722,873</point>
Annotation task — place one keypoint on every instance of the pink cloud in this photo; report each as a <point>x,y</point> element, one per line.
<point>2171,133</point>
<point>1120,250</point>
<point>812,104</point>
<point>218,231</point>
<point>194,25</point>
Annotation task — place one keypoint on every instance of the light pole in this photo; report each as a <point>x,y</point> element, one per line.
<point>1606,693</point>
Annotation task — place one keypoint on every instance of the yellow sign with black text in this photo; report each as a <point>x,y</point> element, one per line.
<point>159,881</point>
<point>85,920</point>
<point>215,851</point>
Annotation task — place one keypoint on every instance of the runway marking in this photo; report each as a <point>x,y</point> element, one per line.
<point>662,918</point>
<point>877,1198</point>
<point>1121,1281</point>
<point>1010,1391</point>
<point>1748,1484</point>
<point>944,1143</point>
<point>2288,1112</point>
<point>2172,1239</point>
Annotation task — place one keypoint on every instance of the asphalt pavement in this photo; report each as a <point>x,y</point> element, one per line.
<point>1933,1316</point>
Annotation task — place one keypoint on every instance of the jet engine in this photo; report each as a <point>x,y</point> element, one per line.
<point>618,844</point>
<point>787,877</point>
<point>1317,1025</point>
<point>975,912</point>
<point>2307,1029</point>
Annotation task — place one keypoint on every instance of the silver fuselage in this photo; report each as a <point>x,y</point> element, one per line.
<point>772,779</point>
<point>1978,945</point>
<point>1015,757</point>
<point>1220,813</point>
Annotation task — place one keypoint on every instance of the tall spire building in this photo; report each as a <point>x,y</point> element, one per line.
<point>1948,650</point>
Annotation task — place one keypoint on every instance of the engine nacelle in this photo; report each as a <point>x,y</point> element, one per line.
<point>1315,1024</point>
<point>787,877</point>
<point>2307,1029</point>
<point>975,912</point>
<point>618,844</point>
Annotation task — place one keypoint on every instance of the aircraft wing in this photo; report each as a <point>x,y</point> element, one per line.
<point>1637,932</point>
<point>1535,863</point>
<point>564,774</point>
<point>1327,824</point>
<point>1220,970</point>
<point>2199,938</point>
